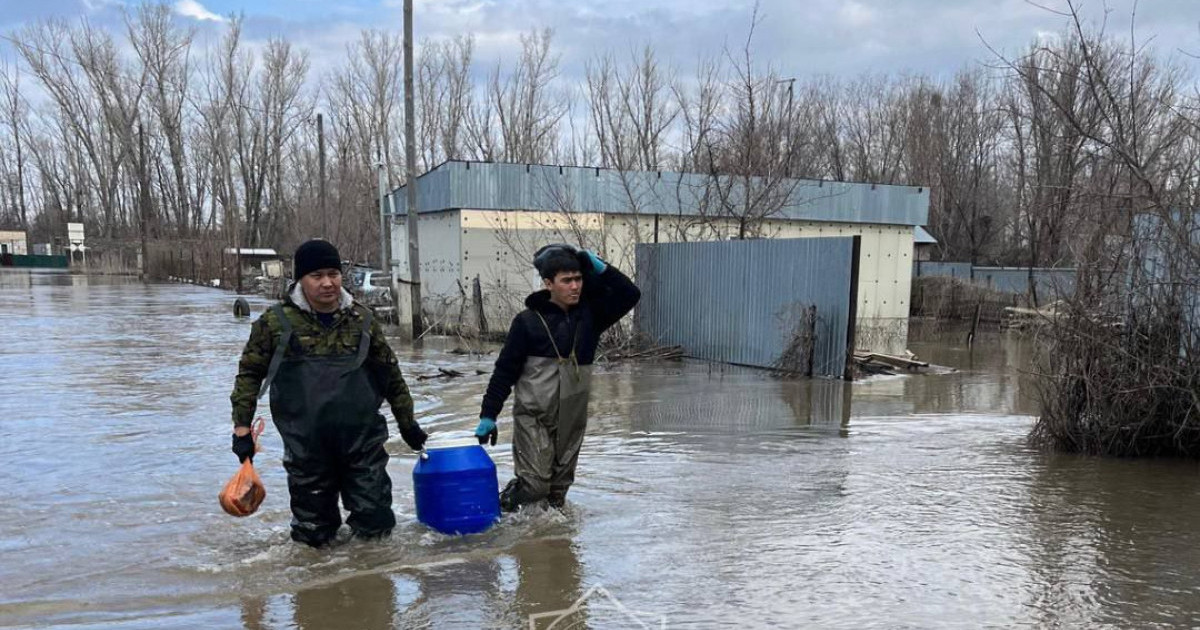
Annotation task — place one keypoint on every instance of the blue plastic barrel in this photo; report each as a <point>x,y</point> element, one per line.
<point>456,488</point>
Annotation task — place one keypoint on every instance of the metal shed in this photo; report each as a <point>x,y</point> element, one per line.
<point>482,222</point>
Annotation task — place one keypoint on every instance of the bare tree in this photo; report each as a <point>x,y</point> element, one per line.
<point>749,162</point>
<point>14,115</point>
<point>873,119</point>
<point>519,121</point>
<point>700,109</point>
<point>953,143</point>
<point>1120,357</point>
<point>76,67</point>
<point>163,49</point>
<point>631,110</point>
<point>445,91</point>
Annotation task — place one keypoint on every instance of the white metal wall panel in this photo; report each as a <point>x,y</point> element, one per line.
<point>499,246</point>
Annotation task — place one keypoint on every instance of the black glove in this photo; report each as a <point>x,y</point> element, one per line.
<point>413,436</point>
<point>243,447</point>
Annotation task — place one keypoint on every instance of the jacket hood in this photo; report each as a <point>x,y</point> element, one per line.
<point>540,301</point>
<point>296,296</point>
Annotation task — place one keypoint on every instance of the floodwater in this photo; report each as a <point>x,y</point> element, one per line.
<point>708,496</point>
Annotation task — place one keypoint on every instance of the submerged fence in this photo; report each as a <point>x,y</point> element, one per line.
<point>33,261</point>
<point>773,303</point>
<point>1051,283</point>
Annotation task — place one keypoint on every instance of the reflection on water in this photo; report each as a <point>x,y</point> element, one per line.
<point>1111,533</point>
<point>711,495</point>
<point>549,579</point>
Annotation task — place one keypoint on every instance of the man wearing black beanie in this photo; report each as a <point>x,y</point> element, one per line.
<point>329,369</point>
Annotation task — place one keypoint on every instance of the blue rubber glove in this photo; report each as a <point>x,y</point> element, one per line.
<point>590,256</point>
<point>486,431</point>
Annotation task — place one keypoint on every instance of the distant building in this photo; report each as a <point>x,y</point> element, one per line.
<point>273,269</point>
<point>256,261</point>
<point>13,242</point>
<point>485,220</point>
<point>923,244</point>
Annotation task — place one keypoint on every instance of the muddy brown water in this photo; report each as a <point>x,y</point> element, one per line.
<point>708,496</point>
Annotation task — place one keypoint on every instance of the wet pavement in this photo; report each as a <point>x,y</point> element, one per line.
<point>708,496</point>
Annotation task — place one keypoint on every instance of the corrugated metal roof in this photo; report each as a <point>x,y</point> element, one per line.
<point>501,186</point>
<point>922,237</point>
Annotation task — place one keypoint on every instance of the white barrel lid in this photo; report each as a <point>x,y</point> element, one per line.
<point>450,441</point>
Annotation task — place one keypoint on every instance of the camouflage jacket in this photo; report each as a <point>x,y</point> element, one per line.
<point>315,339</point>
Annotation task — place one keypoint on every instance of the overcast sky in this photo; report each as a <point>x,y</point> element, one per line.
<point>801,37</point>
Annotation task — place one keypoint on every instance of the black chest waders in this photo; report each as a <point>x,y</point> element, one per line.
<point>550,402</point>
<point>326,408</point>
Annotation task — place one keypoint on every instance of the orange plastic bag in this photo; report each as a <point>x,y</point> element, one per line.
<point>245,491</point>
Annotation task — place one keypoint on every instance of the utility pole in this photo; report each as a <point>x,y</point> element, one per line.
<point>144,201</point>
<point>789,134</point>
<point>321,175</point>
<point>384,224</point>
<point>410,166</point>
<point>235,222</point>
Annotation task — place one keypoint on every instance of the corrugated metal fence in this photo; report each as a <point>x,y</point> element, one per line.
<point>1052,283</point>
<point>748,302</point>
<point>960,270</point>
<point>33,261</point>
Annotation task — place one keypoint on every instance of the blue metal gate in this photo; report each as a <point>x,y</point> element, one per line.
<point>748,302</point>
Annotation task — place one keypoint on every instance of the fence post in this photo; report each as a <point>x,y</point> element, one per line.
<point>812,339</point>
<point>974,324</point>
<point>852,316</point>
<point>477,295</point>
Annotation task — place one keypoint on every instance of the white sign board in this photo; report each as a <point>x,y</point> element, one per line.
<point>75,232</point>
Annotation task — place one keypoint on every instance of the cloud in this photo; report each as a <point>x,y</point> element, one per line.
<point>196,11</point>
<point>100,5</point>
<point>856,14</point>
<point>820,37</point>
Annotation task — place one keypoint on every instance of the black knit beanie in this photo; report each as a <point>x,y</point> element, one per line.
<point>313,255</point>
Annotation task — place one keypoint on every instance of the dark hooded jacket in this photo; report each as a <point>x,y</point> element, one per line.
<point>606,298</point>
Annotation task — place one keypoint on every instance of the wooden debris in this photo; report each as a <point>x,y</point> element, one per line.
<point>1019,317</point>
<point>873,368</point>
<point>907,363</point>
<point>878,363</point>
<point>442,373</point>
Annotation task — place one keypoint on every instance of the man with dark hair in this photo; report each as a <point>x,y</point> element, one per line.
<point>546,363</point>
<point>329,369</point>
